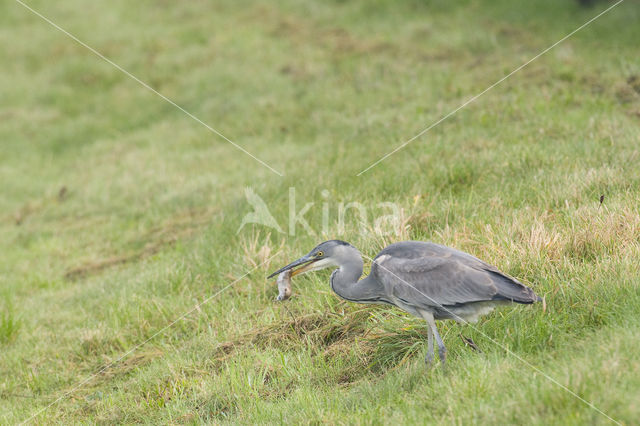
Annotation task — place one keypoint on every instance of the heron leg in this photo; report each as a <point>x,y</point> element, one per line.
<point>433,332</point>
<point>442,351</point>
<point>429,358</point>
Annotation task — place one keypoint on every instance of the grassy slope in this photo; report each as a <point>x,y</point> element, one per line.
<point>146,224</point>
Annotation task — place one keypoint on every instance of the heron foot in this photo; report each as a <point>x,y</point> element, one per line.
<point>429,359</point>
<point>442,352</point>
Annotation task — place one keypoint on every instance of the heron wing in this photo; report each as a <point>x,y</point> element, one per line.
<point>429,274</point>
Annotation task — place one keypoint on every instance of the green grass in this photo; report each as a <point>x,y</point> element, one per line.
<point>9,325</point>
<point>119,213</point>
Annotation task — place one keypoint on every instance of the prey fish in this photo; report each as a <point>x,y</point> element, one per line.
<point>284,285</point>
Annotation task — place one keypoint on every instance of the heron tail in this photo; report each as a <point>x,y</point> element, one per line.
<point>512,290</point>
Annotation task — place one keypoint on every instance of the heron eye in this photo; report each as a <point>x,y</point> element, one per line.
<point>319,254</point>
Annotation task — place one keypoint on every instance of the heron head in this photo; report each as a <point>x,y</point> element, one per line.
<point>324,255</point>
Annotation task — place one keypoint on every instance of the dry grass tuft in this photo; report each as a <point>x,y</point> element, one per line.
<point>257,249</point>
<point>330,335</point>
<point>350,336</point>
<point>95,343</point>
<point>320,329</point>
<point>601,232</point>
<point>593,232</point>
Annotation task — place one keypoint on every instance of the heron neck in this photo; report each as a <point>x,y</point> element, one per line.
<point>344,281</point>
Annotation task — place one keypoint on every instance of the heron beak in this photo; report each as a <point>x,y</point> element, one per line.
<point>304,259</point>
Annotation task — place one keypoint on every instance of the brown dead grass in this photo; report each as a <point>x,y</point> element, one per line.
<point>599,232</point>
<point>321,329</point>
<point>331,334</point>
<point>593,232</point>
<point>257,249</point>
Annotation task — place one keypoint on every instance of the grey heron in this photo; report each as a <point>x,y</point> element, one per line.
<point>428,280</point>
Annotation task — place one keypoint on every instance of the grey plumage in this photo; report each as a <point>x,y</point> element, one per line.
<point>444,279</point>
<point>425,279</point>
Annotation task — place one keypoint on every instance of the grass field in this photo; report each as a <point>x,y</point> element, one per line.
<point>119,213</point>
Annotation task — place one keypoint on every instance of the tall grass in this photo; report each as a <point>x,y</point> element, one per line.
<point>9,325</point>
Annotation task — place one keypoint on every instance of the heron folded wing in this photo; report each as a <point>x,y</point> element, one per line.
<point>436,275</point>
<point>435,281</point>
<point>511,289</point>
